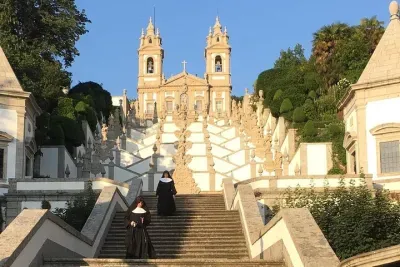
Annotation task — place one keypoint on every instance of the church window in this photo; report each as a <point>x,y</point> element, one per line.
<point>218,64</point>
<point>150,41</point>
<point>390,156</point>
<point>217,39</point>
<point>198,105</point>
<point>150,107</point>
<point>28,166</point>
<point>150,65</point>
<point>169,106</point>
<point>218,105</point>
<point>2,167</point>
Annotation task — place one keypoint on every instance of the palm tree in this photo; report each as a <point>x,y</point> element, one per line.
<point>324,43</point>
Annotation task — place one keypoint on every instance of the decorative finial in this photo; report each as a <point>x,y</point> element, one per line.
<point>142,35</point>
<point>394,10</point>
<point>158,32</point>
<point>226,30</point>
<point>150,21</point>
<point>210,31</point>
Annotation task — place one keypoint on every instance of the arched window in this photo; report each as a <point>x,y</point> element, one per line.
<point>150,65</point>
<point>150,41</point>
<point>217,39</point>
<point>218,64</point>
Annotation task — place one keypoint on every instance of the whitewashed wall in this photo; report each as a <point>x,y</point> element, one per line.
<point>197,150</point>
<point>71,165</point>
<point>198,164</point>
<point>296,161</point>
<point>219,151</point>
<point>374,110</point>
<point>8,124</point>
<point>49,162</point>
<point>317,158</point>
<point>141,167</point>
<point>233,144</point>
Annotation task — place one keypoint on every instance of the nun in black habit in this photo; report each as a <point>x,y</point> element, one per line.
<point>166,195</point>
<point>137,241</point>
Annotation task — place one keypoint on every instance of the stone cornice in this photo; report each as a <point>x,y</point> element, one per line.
<point>364,86</point>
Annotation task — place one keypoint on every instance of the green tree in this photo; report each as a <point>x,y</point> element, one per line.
<point>39,39</point>
<point>237,98</point>
<point>78,210</point>
<point>324,47</point>
<point>101,99</point>
<point>291,57</point>
<point>353,219</point>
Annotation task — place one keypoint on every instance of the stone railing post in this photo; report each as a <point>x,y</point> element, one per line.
<point>253,165</point>
<point>229,192</point>
<point>123,141</point>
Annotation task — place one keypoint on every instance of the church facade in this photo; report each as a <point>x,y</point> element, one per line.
<point>212,93</point>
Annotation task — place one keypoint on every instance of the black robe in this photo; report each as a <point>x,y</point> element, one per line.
<point>137,241</point>
<point>165,192</point>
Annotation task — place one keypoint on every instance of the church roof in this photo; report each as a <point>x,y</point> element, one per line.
<point>8,80</point>
<point>384,63</point>
<point>184,77</point>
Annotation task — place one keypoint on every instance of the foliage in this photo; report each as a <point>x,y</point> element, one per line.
<point>341,50</point>
<point>39,39</point>
<point>237,98</point>
<point>291,57</point>
<point>299,115</point>
<point>78,210</point>
<point>97,98</point>
<point>46,205</point>
<point>352,219</point>
<point>309,129</point>
<point>286,106</point>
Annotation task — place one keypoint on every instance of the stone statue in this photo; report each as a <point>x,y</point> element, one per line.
<point>104,130</point>
<point>278,160</point>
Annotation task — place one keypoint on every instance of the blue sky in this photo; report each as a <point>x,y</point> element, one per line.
<point>258,30</point>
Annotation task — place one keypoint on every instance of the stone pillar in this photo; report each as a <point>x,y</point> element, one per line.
<point>79,169</point>
<point>111,170</point>
<point>123,141</point>
<point>20,146</point>
<point>253,165</point>
<point>285,164</point>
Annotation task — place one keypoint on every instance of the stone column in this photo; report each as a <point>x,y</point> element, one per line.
<point>253,165</point>
<point>20,146</point>
<point>111,170</point>
<point>123,141</point>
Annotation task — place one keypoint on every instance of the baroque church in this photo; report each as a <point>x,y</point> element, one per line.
<point>210,93</point>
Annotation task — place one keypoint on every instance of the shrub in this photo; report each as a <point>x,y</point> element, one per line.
<point>310,110</point>
<point>78,210</point>
<point>309,129</point>
<point>277,94</point>
<point>46,205</point>
<point>312,95</point>
<point>286,106</point>
<point>298,115</point>
<point>352,219</point>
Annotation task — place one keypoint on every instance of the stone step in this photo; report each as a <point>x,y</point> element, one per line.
<point>210,212</point>
<point>184,235</point>
<point>181,255</point>
<point>159,262</point>
<point>194,229</point>
<point>192,242</point>
<point>183,224</point>
<point>181,250</point>
<point>180,239</point>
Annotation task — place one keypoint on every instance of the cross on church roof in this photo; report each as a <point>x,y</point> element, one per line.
<point>184,65</point>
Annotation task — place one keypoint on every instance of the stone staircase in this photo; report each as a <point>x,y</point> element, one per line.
<point>201,228</point>
<point>201,233</point>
